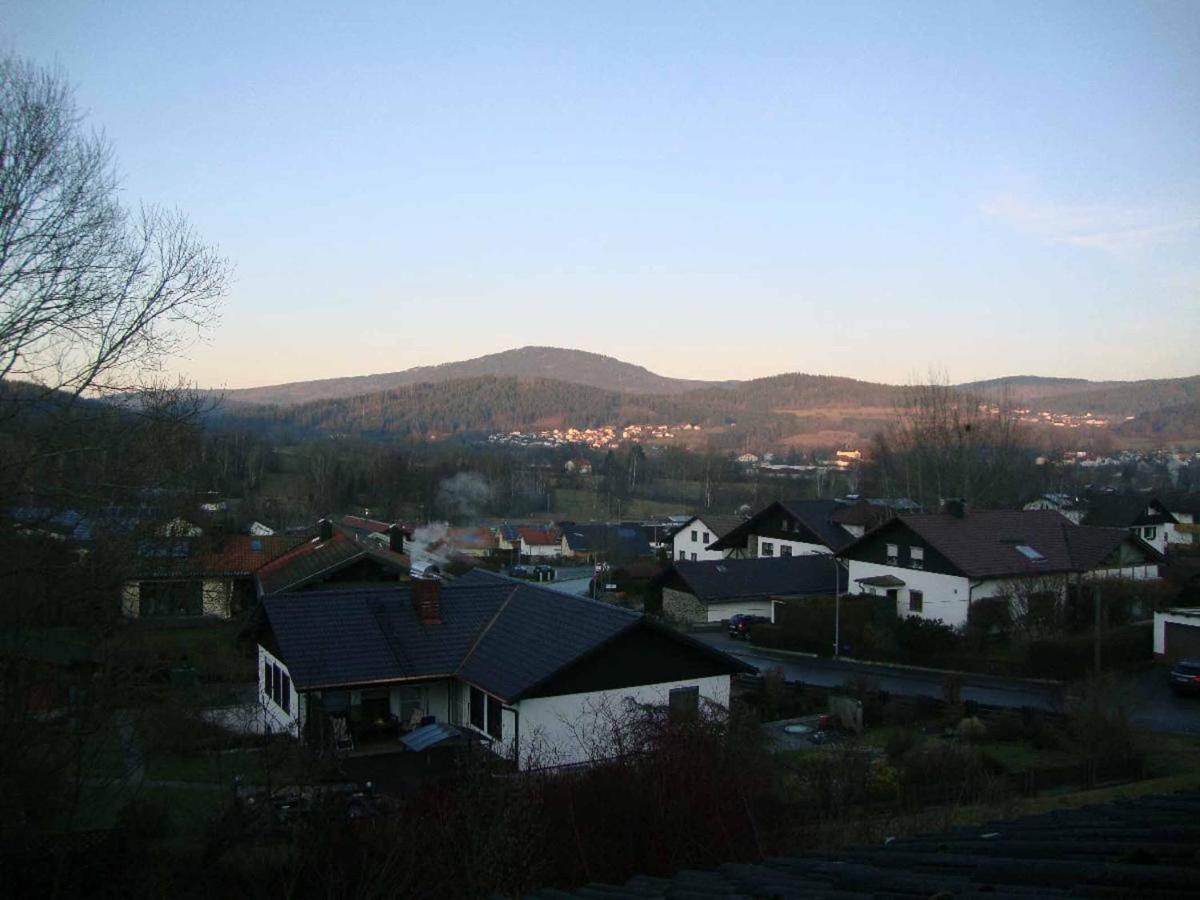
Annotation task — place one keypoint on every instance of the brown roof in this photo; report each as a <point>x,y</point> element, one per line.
<point>985,543</point>
<point>861,513</point>
<point>315,558</point>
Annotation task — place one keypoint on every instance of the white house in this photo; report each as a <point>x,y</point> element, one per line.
<point>937,565</point>
<point>787,528</point>
<point>691,541</point>
<point>539,676</point>
<point>1185,510</point>
<point>1144,517</point>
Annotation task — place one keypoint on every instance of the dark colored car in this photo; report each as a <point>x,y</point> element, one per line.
<point>1185,676</point>
<point>740,625</point>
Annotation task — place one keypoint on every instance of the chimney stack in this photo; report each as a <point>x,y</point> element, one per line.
<point>396,538</point>
<point>324,529</point>
<point>426,599</point>
<point>955,506</point>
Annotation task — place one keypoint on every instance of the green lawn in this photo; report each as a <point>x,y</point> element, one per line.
<point>212,648</point>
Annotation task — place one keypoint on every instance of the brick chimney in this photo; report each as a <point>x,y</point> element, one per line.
<point>396,538</point>
<point>955,506</point>
<point>426,596</point>
<point>324,529</point>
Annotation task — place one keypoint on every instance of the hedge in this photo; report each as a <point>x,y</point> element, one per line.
<point>1072,657</point>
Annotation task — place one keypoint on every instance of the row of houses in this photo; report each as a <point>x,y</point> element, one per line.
<point>932,565</point>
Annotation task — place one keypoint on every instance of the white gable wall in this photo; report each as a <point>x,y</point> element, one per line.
<point>577,728</point>
<point>690,544</point>
<point>945,596</point>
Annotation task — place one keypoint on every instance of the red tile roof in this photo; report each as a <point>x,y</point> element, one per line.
<point>539,536</point>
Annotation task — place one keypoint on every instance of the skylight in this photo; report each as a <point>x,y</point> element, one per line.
<point>1029,553</point>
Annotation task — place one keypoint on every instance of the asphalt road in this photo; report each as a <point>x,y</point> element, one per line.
<point>1151,702</point>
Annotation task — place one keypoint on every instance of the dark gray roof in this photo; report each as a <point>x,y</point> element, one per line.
<point>742,579</point>
<point>502,635</point>
<point>815,518</point>
<point>625,540</point>
<point>984,543</point>
<point>1125,511</point>
<point>1129,848</point>
<point>314,559</point>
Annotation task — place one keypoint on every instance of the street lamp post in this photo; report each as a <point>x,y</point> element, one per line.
<point>837,608</point>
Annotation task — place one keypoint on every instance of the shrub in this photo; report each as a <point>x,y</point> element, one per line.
<point>899,743</point>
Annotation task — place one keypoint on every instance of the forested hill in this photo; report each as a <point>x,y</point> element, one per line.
<point>571,366</point>
<point>484,404</point>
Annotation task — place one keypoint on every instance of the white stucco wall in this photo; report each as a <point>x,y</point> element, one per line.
<point>1189,617</point>
<point>945,596</point>
<point>576,728</point>
<point>131,606</point>
<point>217,598</point>
<point>683,543</point>
<point>1175,536</point>
<point>799,548</point>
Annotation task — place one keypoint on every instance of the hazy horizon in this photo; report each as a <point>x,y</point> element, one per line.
<point>717,192</point>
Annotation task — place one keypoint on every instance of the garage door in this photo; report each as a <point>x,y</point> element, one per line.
<point>1181,640</point>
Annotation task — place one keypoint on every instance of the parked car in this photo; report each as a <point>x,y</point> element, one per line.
<point>1185,676</point>
<point>740,625</point>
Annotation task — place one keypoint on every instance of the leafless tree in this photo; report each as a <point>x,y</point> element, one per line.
<point>91,294</point>
<point>944,442</point>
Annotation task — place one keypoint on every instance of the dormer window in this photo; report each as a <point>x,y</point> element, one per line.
<point>916,556</point>
<point>893,554</point>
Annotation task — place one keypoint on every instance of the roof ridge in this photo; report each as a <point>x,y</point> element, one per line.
<point>486,628</point>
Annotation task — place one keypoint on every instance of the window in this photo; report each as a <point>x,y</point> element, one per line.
<point>766,548</point>
<point>683,703</point>
<point>706,541</point>
<point>916,601</point>
<point>1150,533</point>
<point>478,707</point>
<point>1029,553</point>
<point>494,727</point>
<point>693,536</point>
<point>893,554</point>
<point>683,554</point>
<point>917,557</point>
<point>784,525</point>
<point>693,557</point>
<point>785,549</point>
<point>277,685</point>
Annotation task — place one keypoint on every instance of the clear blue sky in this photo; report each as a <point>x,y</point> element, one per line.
<point>718,190</point>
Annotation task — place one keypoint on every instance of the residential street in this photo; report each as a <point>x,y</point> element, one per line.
<point>1155,707</point>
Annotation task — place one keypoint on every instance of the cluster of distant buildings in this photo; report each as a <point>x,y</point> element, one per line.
<point>601,437</point>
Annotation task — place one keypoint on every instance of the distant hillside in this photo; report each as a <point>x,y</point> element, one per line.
<point>544,387</point>
<point>570,366</point>
<point>1171,423</point>
<point>1077,395</point>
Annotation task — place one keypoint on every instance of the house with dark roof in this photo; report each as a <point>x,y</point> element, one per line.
<point>714,590</point>
<point>1067,504</point>
<point>196,575</point>
<point>1145,517</point>
<point>539,675</point>
<point>936,565</point>
<point>1184,508</point>
<point>693,538</point>
<point>615,542</point>
<point>331,559</point>
<point>787,528</point>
